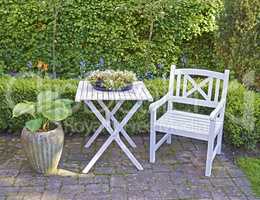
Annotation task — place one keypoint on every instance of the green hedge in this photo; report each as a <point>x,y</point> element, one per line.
<point>241,121</point>
<point>238,39</point>
<point>128,34</point>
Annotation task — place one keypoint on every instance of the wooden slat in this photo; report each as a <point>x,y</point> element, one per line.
<point>132,94</point>
<point>137,92</point>
<point>111,96</point>
<point>193,101</point>
<point>127,95</point>
<point>178,86</point>
<point>79,91</point>
<point>85,91</point>
<point>89,94</point>
<point>105,95</point>
<point>94,94</point>
<point>217,90</point>
<point>184,92</point>
<point>201,72</point>
<point>147,93</point>
<point>116,96</point>
<point>210,89</point>
<point>100,95</point>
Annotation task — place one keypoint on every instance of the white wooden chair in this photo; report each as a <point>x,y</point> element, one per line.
<point>187,124</point>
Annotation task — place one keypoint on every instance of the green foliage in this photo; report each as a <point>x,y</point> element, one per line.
<point>48,108</point>
<point>251,167</point>
<point>24,108</point>
<point>239,35</point>
<point>241,120</point>
<point>200,52</point>
<point>34,124</point>
<point>136,35</point>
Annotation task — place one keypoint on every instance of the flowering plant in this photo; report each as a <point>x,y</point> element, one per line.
<point>111,79</point>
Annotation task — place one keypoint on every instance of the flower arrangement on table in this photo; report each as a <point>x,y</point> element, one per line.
<point>111,80</point>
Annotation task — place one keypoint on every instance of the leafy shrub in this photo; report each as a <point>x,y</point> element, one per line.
<point>241,120</point>
<point>14,91</point>
<point>76,36</point>
<point>201,50</point>
<point>239,35</point>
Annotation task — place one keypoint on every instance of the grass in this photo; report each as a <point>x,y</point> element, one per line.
<point>251,167</point>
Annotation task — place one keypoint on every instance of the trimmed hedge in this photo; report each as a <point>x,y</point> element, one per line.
<point>241,121</point>
<point>141,35</point>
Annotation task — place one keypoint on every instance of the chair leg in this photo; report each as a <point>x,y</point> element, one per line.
<point>209,161</point>
<point>219,142</point>
<point>152,145</point>
<point>169,140</point>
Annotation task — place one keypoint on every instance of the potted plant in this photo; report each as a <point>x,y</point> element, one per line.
<point>111,80</point>
<point>42,137</point>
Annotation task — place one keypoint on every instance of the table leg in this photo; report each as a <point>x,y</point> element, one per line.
<point>98,154</point>
<point>101,127</point>
<point>114,135</point>
<point>128,153</point>
<point>116,123</point>
<point>94,136</point>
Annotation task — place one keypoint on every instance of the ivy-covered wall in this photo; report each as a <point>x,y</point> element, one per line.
<point>74,36</point>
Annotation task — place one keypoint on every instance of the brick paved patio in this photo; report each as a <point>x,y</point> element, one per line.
<point>177,174</point>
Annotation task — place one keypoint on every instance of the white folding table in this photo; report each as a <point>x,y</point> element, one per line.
<point>87,94</point>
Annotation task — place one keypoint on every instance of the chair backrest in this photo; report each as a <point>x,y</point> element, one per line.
<point>198,86</point>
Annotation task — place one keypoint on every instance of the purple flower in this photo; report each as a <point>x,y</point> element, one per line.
<point>160,66</point>
<point>13,73</point>
<point>184,60</point>
<point>29,64</point>
<point>82,63</point>
<point>101,61</point>
<point>149,75</point>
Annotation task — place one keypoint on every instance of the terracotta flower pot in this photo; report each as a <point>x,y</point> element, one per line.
<point>43,149</point>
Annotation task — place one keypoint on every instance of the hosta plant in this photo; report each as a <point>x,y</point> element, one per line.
<point>111,79</point>
<point>48,110</point>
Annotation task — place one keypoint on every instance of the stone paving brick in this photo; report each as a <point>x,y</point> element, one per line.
<point>219,194</point>
<point>6,181</point>
<point>118,181</point>
<point>97,188</point>
<point>15,197</point>
<point>177,174</point>
<point>75,189</point>
<point>48,195</point>
<point>118,193</point>
<point>32,196</point>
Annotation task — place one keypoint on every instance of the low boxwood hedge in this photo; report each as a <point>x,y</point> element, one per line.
<point>241,121</point>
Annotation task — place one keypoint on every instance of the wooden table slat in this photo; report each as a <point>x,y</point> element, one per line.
<point>85,92</point>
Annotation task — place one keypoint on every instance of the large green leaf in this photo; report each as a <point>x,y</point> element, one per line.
<point>24,108</point>
<point>34,124</point>
<point>55,110</point>
<point>67,103</point>
<point>47,96</point>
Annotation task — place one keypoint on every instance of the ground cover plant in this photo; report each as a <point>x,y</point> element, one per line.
<point>251,167</point>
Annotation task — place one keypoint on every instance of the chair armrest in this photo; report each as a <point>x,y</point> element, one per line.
<point>217,110</point>
<point>154,106</point>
